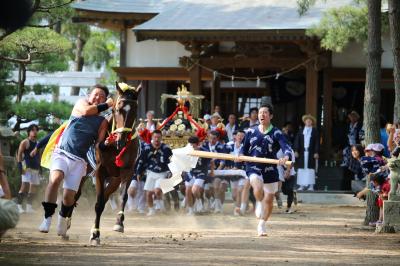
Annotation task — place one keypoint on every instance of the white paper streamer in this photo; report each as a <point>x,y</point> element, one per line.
<point>180,162</point>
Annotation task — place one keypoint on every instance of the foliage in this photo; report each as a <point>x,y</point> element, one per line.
<point>33,13</point>
<point>5,89</point>
<point>42,111</point>
<point>38,44</point>
<point>98,49</point>
<point>339,26</point>
<point>304,5</point>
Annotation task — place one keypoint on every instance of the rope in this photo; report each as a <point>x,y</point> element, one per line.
<point>277,75</point>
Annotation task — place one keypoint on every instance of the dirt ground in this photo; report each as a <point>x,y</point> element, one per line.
<point>314,235</point>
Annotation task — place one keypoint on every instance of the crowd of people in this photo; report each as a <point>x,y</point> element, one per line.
<point>204,188</point>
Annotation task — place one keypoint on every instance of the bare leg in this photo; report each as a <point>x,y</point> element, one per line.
<point>56,177</point>
<point>189,197</point>
<point>222,191</point>
<point>149,196</point>
<point>258,188</point>
<point>245,193</point>
<point>268,205</point>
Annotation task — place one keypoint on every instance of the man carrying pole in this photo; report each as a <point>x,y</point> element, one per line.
<point>264,141</point>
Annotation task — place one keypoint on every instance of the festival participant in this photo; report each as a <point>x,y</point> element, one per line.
<point>306,146</point>
<point>215,121</point>
<point>369,165</point>
<point>382,187</point>
<point>231,127</point>
<point>68,164</point>
<point>261,141</point>
<point>252,121</point>
<point>29,168</point>
<point>150,124</point>
<point>195,179</point>
<point>238,182</point>
<point>154,159</point>
<point>219,184</point>
<point>137,195</point>
<point>287,178</point>
<point>207,120</point>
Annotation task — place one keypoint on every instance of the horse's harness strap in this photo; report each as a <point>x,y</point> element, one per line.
<point>123,129</point>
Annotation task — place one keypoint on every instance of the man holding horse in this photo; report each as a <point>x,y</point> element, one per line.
<point>68,164</point>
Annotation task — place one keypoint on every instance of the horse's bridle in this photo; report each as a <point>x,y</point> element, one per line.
<point>123,129</point>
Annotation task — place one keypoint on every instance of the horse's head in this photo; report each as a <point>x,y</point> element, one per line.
<point>125,109</point>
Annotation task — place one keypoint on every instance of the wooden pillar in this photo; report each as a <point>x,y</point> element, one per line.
<point>311,90</point>
<point>328,116</point>
<point>195,80</point>
<point>195,71</point>
<point>215,92</point>
<point>123,47</point>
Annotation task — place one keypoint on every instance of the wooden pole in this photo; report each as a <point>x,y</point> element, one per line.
<point>230,157</point>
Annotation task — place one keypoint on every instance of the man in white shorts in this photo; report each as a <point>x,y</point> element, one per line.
<point>137,196</point>
<point>29,168</point>
<point>154,159</point>
<point>195,179</point>
<point>215,184</point>
<point>86,127</point>
<point>238,183</point>
<point>262,141</point>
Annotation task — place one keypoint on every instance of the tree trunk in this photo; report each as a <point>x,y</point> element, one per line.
<point>79,43</point>
<point>373,74</point>
<point>21,82</point>
<point>394,25</point>
<point>372,211</point>
<point>56,94</point>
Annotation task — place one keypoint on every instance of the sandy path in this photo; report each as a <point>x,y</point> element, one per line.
<point>315,235</point>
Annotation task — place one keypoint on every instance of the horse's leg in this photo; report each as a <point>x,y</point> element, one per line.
<point>99,207</point>
<point>102,198</point>
<point>119,225</point>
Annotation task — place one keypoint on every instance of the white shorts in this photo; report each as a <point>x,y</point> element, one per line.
<point>195,182</point>
<point>208,186</point>
<point>153,180</point>
<point>269,188</point>
<point>1,192</point>
<point>74,168</point>
<point>31,176</point>
<point>133,184</point>
<point>238,183</point>
<point>189,183</point>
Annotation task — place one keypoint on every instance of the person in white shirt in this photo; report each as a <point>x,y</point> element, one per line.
<point>231,126</point>
<point>150,124</point>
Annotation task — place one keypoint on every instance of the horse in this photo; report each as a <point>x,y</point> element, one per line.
<point>115,163</point>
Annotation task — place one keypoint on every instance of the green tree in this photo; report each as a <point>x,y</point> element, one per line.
<point>39,49</point>
<point>102,48</point>
<point>32,13</point>
<point>394,25</point>
<point>42,111</point>
<point>372,93</point>
<point>78,34</point>
<point>363,23</point>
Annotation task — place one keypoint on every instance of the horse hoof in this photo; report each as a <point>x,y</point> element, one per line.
<point>94,242</point>
<point>118,228</point>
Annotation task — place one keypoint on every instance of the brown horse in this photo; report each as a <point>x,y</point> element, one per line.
<point>115,164</point>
